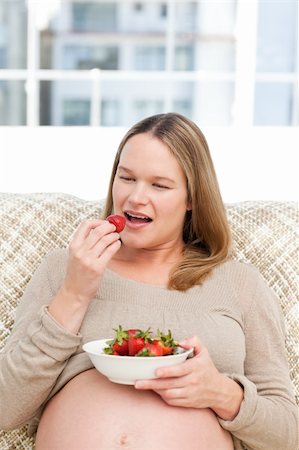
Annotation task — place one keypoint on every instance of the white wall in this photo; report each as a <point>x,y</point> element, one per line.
<point>251,163</point>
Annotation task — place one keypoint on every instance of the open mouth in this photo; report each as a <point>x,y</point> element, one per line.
<point>134,218</point>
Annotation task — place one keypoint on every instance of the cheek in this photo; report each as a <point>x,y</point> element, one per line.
<point>173,211</point>
<point>174,205</point>
<point>117,193</point>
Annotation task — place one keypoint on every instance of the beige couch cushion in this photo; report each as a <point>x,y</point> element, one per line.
<point>31,225</point>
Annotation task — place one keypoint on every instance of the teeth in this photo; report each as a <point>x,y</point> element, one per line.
<point>137,217</point>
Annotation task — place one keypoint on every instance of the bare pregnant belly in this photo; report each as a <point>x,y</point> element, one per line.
<point>91,413</point>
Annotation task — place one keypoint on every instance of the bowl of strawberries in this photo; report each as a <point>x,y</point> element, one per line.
<point>134,354</point>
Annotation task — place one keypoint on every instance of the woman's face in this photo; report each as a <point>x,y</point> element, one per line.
<point>150,189</point>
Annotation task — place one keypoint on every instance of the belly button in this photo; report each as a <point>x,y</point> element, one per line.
<point>123,439</point>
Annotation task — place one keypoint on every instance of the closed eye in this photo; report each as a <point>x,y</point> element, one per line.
<point>160,186</point>
<point>126,178</point>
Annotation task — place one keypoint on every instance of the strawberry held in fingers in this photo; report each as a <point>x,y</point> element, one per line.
<point>118,221</point>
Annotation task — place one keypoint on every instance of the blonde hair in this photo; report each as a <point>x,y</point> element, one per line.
<point>206,230</point>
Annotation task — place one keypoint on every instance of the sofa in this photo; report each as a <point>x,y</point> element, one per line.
<point>264,234</point>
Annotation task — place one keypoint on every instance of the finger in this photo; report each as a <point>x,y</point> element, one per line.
<point>108,253</point>
<point>99,233</point>
<point>192,342</point>
<point>161,384</point>
<point>172,394</point>
<point>178,370</point>
<point>104,243</point>
<point>182,402</point>
<point>84,229</point>
<point>174,397</point>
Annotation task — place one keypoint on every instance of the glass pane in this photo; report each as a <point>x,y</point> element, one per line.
<point>88,16</point>
<point>277,36</point>
<point>143,18</point>
<point>214,103</point>
<point>65,102</point>
<point>89,57</point>
<point>205,32</point>
<point>105,35</point>
<point>125,102</point>
<point>184,57</point>
<point>149,58</point>
<point>131,101</point>
<point>12,103</point>
<point>13,38</point>
<point>273,104</point>
<point>111,112</point>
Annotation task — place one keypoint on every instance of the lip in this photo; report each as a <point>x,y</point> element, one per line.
<point>136,213</point>
<point>135,225</point>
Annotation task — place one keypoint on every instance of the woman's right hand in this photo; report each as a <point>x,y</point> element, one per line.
<point>93,245</point>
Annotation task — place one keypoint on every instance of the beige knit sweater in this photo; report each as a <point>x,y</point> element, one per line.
<point>234,313</point>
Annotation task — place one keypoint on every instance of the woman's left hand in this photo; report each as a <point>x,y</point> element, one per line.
<point>196,383</point>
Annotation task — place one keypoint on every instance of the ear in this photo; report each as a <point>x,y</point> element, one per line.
<point>189,207</point>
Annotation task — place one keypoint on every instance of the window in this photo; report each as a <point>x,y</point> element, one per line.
<point>93,16</point>
<point>163,10</point>
<point>183,107</point>
<point>277,43</point>
<point>277,37</point>
<point>273,104</point>
<point>111,112</point>
<point>144,108</point>
<point>224,63</point>
<point>76,112</point>
<point>138,7</point>
<point>12,103</point>
<point>13,36</point>
<point>89,57</point>
<point>3,58</point>
<point>149,58</point>
<point>184,58</point>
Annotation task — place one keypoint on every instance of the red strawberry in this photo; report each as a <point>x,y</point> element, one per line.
<point>121,349</point>
<point>118,221</point>
<point>137,339</point>
<point>151,349</point>
<point>166,342</point>
<point>120,343</point>
<point>133,331</point>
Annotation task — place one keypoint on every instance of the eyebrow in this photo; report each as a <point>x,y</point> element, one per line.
<point>157,177</point>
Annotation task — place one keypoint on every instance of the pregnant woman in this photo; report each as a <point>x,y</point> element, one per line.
<point>170,268</point>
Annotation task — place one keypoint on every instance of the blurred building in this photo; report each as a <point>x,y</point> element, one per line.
<point>196,40</point>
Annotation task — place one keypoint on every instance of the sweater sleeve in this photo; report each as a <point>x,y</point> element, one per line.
<point>268,417</point>
<point>34,355</point>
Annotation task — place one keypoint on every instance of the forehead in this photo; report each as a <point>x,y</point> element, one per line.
<point>148,151</point>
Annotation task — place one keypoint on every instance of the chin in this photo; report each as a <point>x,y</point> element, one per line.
<point>132,242</point>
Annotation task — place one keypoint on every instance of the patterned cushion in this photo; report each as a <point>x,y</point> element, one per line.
<point>31,225</point>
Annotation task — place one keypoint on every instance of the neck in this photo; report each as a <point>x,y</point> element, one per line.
<point>167,255</point>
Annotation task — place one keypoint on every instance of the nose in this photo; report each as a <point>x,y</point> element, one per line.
<point>138,194</point>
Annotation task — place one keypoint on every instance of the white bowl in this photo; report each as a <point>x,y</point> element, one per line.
<point>128,369</point>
